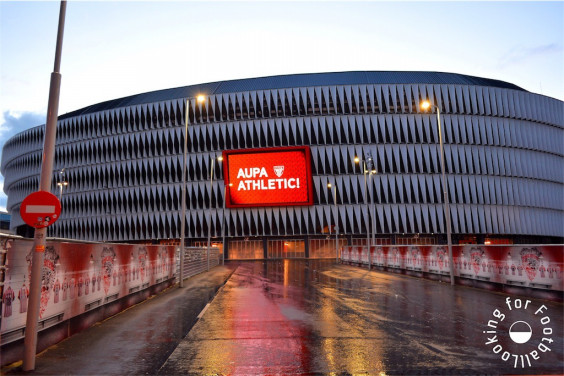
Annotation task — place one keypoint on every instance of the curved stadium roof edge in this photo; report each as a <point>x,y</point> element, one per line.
<point>294,80</point>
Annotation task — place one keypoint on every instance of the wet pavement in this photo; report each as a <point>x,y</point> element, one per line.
<point>136,341</point>
<point>304,317</point>
<point>314,317</point>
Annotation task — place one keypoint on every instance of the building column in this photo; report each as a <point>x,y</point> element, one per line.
<point>265,248</point>
<point>226,249</point>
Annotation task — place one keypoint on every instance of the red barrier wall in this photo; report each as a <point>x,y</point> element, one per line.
<point>77,278</point>
<point>536,266</point>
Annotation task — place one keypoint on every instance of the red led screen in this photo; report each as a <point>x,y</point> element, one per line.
<point>268,177</point>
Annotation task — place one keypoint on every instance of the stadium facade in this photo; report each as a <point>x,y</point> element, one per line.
<point>122,163</point>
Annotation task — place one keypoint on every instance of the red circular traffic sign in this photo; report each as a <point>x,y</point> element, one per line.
<point>40,209</point>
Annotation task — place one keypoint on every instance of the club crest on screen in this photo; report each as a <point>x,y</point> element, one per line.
<point>279,170</point>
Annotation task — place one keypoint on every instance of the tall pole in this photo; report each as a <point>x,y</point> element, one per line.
<point>336,224</point>
<point>370,214</point>
<point>30,340</point>
<point>329,186</point>
<point>368,224</point>
<point>445,193</point>
<point>183,211</point>
<point>364,171</point>
<point>371,208</point>
<point>223,224</point>
<point>366,203</point>
<point>209,210</point>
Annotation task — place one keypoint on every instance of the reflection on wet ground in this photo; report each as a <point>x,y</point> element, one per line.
<point>136,341</point>
<point>312,316</point>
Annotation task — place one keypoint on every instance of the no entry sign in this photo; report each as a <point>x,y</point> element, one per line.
<point>40,209</point>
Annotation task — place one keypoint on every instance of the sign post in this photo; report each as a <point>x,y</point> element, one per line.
<point>30,340</point>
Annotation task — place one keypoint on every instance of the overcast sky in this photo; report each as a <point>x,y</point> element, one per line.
<point>115,49</point>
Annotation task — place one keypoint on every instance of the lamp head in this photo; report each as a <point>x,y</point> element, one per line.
<point>425,105</point>
<point>201,98</point>
<point>328,185</point>
<point>356,159</point>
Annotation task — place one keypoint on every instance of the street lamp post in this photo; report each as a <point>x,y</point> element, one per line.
<point>371,172</point>
<point>364,170</point>
<point>212,167</point>
<point>209,210</point>
<point>200,98</point>
<point>224,223</point>
<point>62,183</point>
<point>336,220</point>
<point>426,105</point>
<point>369,168</point>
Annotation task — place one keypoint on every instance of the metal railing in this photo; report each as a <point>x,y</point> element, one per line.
<point>196,261</point>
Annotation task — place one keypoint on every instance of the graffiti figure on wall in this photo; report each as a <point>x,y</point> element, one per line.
<point>56,290</point>
<point>142,257</point>
<point>380,255</point>
<point>23,296</point>
<point>396,257</point>
<point>162,260</point>
<point>440,257</point>
<point>7,300</point>
<point>531,261</point>
<point>414,257</point>
<point>475,258</point>
<point>108,260</point>
<point>48,274</point>
<point>86,284</point>
<point>65,288</point>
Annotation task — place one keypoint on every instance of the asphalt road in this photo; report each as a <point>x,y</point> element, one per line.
<point>314,317</point>
<point>309,317</point>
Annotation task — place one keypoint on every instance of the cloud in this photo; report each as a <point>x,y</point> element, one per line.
<point>11,124</point>
<point>519,54</point>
